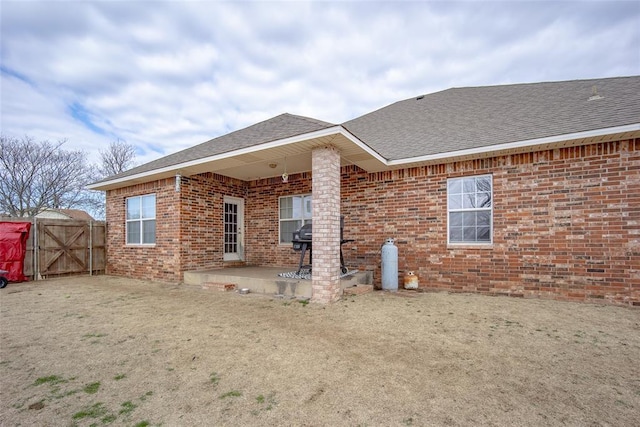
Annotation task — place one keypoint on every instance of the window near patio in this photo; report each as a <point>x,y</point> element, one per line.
<point>470,209</point>
<point>141,220</point>
<point>295,211</point>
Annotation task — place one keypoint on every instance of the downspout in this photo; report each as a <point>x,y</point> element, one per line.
<point>36,270</point>
<point>90,248</point>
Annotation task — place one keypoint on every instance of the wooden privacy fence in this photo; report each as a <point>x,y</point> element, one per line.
<point>64,247</point>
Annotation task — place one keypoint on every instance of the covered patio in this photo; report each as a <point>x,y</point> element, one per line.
<point>277,152</point>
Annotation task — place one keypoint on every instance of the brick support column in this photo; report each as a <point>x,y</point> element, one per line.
<point>326,225</point>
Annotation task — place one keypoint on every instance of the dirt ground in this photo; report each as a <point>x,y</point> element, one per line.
<point>104,350</point>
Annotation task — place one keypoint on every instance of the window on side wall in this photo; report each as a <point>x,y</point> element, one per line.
<point>295,211</point>
<point>470,209</point>
<point>141,220</point>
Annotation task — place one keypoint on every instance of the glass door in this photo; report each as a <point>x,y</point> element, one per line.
<point>233,229</point>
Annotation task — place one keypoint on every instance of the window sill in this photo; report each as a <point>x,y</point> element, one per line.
<point>470,246</point>
<point>140,245</point>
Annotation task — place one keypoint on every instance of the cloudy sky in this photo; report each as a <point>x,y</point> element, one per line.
<point>164,76</point>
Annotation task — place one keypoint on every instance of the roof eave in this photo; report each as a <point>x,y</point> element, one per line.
<point>377,160</point>
<point>168,171</point>
<point>516,146</point>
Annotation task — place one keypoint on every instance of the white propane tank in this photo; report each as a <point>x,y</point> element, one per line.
<point>389,266</point>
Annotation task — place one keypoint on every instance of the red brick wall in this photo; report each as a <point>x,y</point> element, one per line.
<point>189,226</point>
<point>566,224</point>
<point>160,261</point>
<point>202,215</point>
<point>262,215</point>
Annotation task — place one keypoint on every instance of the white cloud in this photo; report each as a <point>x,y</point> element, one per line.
<point>168,75</point>
<point>25,110</point>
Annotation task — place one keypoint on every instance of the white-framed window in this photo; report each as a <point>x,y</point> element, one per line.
<point>295,211</point>
<point>470,209</point>
<point>141,220</point>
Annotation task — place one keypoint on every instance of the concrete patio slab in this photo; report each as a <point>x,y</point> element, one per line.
<point>265,280</point>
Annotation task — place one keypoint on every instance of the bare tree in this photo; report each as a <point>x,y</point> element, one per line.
<point>36,175</point>
<point>116,159</point>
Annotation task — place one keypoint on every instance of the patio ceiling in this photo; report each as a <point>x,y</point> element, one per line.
<point>270,162</point>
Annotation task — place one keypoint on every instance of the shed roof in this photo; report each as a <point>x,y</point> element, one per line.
<point>65,213</point>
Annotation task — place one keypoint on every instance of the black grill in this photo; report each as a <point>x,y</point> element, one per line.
<point>303,242</point>
<point>302,234</point>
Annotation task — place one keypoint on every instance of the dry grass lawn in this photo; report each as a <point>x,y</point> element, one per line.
<point>104,350</point>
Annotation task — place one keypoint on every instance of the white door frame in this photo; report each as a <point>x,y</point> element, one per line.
<point>233,250</point>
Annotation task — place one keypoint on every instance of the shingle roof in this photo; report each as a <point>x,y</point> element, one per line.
<point>279,127</point>
<point>466,118</point>
<point>450,120</point>
<point>72,213</point>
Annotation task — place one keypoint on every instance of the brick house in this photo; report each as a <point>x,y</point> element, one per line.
<point>527,190</point>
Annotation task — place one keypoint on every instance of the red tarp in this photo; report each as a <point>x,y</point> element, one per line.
<point>13,247</point>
